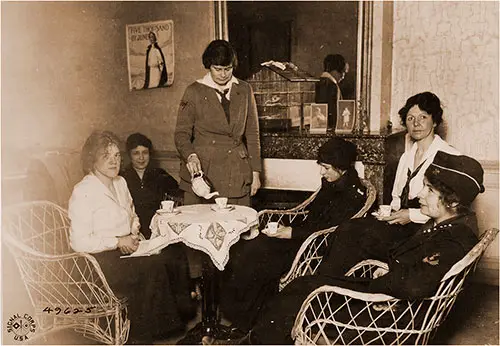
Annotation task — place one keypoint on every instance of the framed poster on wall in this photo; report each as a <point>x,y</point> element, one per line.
<point>150,54</point>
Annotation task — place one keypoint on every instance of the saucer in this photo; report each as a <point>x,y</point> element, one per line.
<point>165,212</point>
<point>222,210</point>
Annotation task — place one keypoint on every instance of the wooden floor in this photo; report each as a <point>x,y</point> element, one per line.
<point>474,320</point>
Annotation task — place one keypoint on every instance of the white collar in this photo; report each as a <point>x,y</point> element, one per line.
<point>208,81</point>
<point>329,76</point>
<point>431,150</point>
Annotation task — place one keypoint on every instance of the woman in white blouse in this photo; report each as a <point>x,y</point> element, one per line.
<point>421,115</point>
<point>104,223</point>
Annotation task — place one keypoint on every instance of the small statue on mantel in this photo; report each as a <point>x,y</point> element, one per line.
<point>365,128</point>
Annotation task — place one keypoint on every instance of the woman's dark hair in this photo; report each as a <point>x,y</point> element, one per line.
<point>219,52</point>
<point>448,196</point>
<point>427,102</point>
<point>96,141</point>
<point>136,139</point>
<point>334,62</point>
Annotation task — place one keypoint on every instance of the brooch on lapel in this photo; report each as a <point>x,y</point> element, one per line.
<point>433,260</point>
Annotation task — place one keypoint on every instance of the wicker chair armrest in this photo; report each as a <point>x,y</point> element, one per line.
<point>367,266</point>
<point>74,256</point>
<point>299,262</point>
<point>324,293</point>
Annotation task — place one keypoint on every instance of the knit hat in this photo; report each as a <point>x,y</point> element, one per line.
<point>337,152</point>
<point>461,173</point>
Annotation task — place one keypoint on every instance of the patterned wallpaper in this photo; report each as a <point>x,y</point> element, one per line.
<point>451,49</point>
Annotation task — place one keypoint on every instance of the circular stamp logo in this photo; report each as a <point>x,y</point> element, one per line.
<point>21,326</point>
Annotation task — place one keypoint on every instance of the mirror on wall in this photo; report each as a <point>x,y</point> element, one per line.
<point>303,33</point>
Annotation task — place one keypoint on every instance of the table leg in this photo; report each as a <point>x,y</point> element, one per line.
<point>209,329</point>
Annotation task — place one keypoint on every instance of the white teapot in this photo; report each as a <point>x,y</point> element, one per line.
<point>201,186</point>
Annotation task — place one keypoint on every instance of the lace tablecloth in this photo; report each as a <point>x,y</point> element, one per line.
<point>205,228</point>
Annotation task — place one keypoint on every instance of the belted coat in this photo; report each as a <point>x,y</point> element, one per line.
<point>228,152</point>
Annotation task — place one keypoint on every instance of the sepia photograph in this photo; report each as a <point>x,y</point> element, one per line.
<point>319,118</point>
<point>346,116</point>
<point>282,173</point>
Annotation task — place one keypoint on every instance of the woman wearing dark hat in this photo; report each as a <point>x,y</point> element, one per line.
<point>421,115</point>
<point>257,265</point>
<point>416,265</point>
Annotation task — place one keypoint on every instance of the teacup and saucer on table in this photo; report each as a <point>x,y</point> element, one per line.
<point>167,207</point>
<point>221,205</point>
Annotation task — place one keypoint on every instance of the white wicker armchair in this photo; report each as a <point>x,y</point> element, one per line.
<point>380,319</point>
<point>310,254</point>
<point>67,289</point>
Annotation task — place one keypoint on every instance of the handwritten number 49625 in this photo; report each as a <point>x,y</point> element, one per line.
<point>68,310</point>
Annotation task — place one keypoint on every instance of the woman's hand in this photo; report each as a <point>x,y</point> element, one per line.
<point>283,232</point>
<point>401,217</point>
<point>255,183</point>
<point>193,164</point>
<point>128,244</point>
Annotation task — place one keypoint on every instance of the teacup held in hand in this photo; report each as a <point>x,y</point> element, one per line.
<point>272,227</point>
<point>384,210</point>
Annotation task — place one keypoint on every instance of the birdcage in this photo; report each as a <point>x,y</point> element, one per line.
<point>280,90</point>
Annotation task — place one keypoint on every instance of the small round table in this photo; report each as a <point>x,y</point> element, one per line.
<point>213,231</point>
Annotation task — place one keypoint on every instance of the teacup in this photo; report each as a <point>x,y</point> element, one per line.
<point>168,206</point>
<point>221,202</point>
<point>272,227</point>
<point>384,210</point>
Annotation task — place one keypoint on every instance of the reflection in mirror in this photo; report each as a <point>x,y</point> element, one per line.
<point>301,32</point>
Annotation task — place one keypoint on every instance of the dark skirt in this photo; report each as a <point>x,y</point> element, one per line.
<point>359,239</point>
<point>274,325</point>
<point>252,276</point>
<point>157,288</point>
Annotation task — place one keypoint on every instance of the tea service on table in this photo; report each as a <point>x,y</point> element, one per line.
<point>221,205</point>
<point>201,186</point>
<point>167,207</point>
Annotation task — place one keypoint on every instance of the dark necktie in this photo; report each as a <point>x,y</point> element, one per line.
<point>406,189</point>
<point>224,102</point>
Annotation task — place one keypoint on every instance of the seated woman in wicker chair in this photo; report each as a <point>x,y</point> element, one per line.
<point>416,265</point>
<point>148,185</point>
<point>104,223</point>
<point>257,265</point>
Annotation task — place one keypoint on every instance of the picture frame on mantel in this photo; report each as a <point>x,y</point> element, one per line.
<point>319,118</point>
<point>150,54</point>
<point>346,116</point>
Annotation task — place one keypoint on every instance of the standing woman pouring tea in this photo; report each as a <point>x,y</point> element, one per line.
<point>217,130</point>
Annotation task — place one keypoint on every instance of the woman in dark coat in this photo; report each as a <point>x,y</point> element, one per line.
<point>148,185</point>
<point>416,265</point>
<point>257,265</point>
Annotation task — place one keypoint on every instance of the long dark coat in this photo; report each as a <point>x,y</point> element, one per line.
<point>229,152</point>
<point>416,266</point>
<point>256,266</point>
<point>326,92</point>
